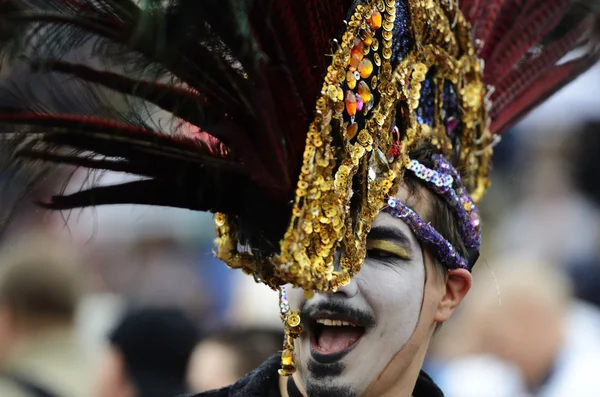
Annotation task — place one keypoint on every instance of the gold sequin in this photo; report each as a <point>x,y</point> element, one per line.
<point>351,80</point>
<point>375,20</point>
<point>377,59</point>
<point>364,91</point>
<point>375,44</point>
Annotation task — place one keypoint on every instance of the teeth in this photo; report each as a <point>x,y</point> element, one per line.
<point>334,323</point>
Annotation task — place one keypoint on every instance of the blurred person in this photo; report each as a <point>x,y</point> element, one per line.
<point>550,208</point>
<point>349,175</point>
<point>585,272</point>
<point>586,167</point>
<point>148,355</point>
<point>532,325</point>
<point>40,288</point>
<point>225,357</point>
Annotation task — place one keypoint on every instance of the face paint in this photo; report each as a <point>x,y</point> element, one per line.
<point>352,335</point>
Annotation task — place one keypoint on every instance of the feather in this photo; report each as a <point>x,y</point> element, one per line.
<point>237,81</point>
<point>198,61</point>
<point>523,43</point>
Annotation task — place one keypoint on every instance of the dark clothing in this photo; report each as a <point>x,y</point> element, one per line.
<point>264,382</point>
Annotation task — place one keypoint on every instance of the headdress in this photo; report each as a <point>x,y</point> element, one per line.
<point>291,115</point>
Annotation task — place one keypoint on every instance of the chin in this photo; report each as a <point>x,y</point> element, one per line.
<point>331,348</point>
<point>333,372</point>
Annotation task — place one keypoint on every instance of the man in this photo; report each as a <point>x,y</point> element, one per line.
<point>342,145</point>
<point>39,293</point>
<point>370,337</point>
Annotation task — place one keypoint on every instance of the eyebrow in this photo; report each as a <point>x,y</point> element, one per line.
<point>392,234</point>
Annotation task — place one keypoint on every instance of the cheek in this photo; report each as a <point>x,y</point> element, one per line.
<point>396,293</point>
<point>431,301</point>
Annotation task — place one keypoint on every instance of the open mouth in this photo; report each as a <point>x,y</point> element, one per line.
<point>331,339</point>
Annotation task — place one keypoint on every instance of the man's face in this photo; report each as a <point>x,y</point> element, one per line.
<point>378,321</point>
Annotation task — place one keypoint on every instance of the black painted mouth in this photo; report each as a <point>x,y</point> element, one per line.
<point>335,329</point>
<point>330,358</point>
<point>332,337</point>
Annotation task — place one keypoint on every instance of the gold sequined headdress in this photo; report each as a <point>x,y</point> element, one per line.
<point>404,73</point>
<point>241,78</point>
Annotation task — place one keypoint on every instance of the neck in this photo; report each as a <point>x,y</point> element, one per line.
<point>398,386</point>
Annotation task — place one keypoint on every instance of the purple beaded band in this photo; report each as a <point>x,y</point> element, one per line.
<point>445,181</point>
<point>284,306</point>
<point>426,233</point>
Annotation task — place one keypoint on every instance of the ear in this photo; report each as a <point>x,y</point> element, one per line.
<point>458,282</point>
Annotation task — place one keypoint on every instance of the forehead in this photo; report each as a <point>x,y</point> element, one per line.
<point>418,200</point>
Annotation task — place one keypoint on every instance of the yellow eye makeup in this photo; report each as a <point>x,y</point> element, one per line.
<point>388,248</point>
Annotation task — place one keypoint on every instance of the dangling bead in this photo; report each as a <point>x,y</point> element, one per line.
<point>359,103</point>
<point>375,20</point>
<point>351,131</point>
<point>354,62</point>
<point>451,125</point>
<point>371,103</point>
<point>351,103</point>
<point>364,91</point>
<point>359,49</point>
<point>351,80</point>
<point>367,37</point>
<point>365,68</point>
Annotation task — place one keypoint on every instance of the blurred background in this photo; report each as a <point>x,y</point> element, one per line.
<point>126,301</point>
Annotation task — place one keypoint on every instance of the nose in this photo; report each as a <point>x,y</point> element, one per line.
<point>347,291</point>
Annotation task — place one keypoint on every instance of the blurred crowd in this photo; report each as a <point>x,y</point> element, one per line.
<point>61,337</point>
<point>130,302</point>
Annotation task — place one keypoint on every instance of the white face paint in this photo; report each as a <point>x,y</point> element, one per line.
<point>386,298</point>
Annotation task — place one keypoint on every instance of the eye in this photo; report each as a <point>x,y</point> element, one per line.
<point>385,251</point>
<point>374,253</point>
